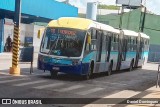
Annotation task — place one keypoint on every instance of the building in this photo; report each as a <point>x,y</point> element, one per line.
<point>32,11</point>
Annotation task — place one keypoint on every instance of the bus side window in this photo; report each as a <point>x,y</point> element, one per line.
<point>129,43</point>
<point>114,42</point>
<point>93,39</point>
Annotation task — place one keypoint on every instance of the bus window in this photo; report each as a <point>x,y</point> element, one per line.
<point>129,43</point>
<point>115,42</point>
<point>93,39</point>
<point>93,34</point>
<point>63,42</point>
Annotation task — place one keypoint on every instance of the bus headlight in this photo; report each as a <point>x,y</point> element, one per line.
<point>76,62</point>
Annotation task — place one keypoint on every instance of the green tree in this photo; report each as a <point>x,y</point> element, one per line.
<point>110,7</point>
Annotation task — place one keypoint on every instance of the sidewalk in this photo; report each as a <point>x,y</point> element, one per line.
<point>150,93</point>
<point>153,92</point>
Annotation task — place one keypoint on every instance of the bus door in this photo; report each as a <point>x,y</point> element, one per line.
<point>99,46</point>
<point>109,38</point>
<point>120,46</point>
<point>124,47</point>
<point>141,49</point>
<point>138,50</point>
<point>104,50</point>
<point>99,67</point>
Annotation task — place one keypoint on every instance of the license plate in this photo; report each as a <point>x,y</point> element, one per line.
<point>55,68</point>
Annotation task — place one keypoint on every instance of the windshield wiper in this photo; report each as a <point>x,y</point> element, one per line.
<point>53,46</point>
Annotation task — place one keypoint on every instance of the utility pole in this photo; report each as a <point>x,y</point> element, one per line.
<point>15,70</point>
<point>121,17</point>
<point>143,20</point>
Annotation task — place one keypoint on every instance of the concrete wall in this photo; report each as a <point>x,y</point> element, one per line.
<point>26,30</point>
<point>37,41</point>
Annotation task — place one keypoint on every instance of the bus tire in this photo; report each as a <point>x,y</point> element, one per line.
<point>54,74</point>
<point>90,72</point>
<point>110,69</point>
<point>131,66</point>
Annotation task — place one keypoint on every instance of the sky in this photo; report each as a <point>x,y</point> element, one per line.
<point>152,5</point>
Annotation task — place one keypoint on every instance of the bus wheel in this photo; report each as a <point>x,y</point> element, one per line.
<point>131,66</point>
<point>89,74</point>
<point>54,74</point>
<point>109,69</point>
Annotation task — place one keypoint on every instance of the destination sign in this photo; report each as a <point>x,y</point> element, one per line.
<point>63,32</point>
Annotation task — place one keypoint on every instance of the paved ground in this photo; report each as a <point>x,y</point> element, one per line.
<point>122,84</point>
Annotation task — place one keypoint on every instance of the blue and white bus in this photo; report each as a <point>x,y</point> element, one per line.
<point>83,47</point>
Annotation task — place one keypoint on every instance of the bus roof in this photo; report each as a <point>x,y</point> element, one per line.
<point>105,27</point>
<point>80,23</point>
<point>71,22</point>
<point>130,33</point>
<point>143,35</point>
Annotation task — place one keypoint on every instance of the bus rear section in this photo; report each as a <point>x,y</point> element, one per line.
<point>129,49</point>
<point>143,49</point>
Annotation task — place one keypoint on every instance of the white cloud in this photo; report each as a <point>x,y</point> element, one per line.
<point>152,5</point>
<point>83,3</point>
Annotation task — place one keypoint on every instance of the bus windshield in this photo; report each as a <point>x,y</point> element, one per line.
<point>63,42</point>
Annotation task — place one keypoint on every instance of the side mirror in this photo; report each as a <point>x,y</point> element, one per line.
<point>88,38</point>
<point>40,31</point>
<point>39,34</point>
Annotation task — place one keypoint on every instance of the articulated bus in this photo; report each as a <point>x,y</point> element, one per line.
<point>83,47</point>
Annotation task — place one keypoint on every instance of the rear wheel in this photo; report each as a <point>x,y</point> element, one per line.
<point>110,69</point>
<point>90,73</point>
<point>131,66</point>
<point>54,74</point>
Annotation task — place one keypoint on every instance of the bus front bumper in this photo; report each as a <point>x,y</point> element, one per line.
<point>79,69</point>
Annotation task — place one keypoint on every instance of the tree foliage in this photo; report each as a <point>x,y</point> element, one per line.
<point>110,7</point>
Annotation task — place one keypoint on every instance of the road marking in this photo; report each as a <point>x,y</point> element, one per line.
<point>30,83</point>
<point>48,86</point>
<point>7,81</point>
<point>122,94</point>
<point>90,91</point>
<point>111,83</point>
<point>5,73</point>
<point>70,88</point>
<point>3,77</point>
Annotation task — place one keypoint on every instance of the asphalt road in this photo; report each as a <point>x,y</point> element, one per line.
<point>123,84</point>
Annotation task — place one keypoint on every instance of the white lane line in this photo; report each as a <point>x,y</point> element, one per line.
<point>48,86</point>
<point>70,88</point>
<point>90,91</point>
<point>3,77</point>
<point>30,83</point>
<point>14,80</point>
<point>111,83</point>
<point>122,94</point>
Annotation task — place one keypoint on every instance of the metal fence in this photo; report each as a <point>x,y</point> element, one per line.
<point>154,57</point>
